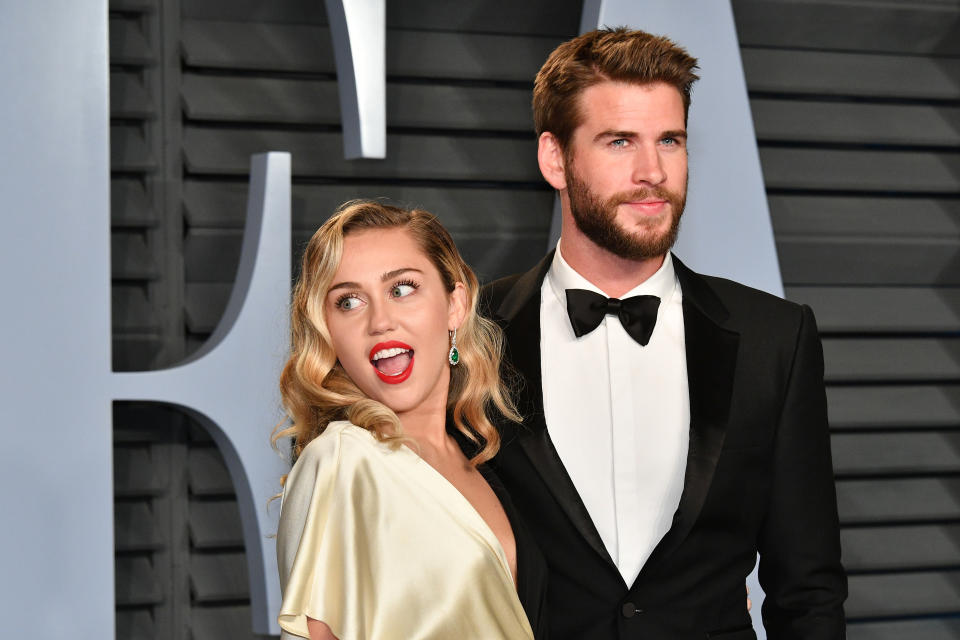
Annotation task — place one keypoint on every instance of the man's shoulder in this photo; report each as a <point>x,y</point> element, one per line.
<point>515,289</point>
<point>494,292</point>
<point>739,293</point>
<point>751,307</point>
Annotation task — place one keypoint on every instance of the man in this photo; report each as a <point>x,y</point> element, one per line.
<point>675,424</point>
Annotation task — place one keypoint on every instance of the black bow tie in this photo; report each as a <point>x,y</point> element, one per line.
<point>637,314</point>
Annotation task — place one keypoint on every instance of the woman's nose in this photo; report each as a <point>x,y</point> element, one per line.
<point>380,318</point>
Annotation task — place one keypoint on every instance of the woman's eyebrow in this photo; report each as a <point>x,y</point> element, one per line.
<point>345,285</point>
<point>389,275</point>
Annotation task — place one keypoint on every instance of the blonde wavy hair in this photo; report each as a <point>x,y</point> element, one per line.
<point>315,388</point>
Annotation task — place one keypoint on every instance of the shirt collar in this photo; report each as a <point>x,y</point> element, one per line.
<point>662,284</point>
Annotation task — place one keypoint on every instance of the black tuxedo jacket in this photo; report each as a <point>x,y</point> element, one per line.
<point>758,478</point>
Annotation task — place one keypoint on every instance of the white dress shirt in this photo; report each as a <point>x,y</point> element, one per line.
<point>618,413</point>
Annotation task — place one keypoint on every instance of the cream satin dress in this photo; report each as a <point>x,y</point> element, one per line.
<point>377,544</point>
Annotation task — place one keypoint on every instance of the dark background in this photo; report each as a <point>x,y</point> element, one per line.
<point>856,106</point>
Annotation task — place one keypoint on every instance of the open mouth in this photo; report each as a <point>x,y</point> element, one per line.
<point>392,361</point>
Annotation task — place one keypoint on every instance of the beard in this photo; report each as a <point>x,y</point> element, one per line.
<point>597,219</point>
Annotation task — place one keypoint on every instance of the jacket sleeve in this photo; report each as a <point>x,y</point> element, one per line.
<point>800,569</point>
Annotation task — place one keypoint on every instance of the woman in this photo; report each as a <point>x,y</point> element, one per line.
<point>387,528</point>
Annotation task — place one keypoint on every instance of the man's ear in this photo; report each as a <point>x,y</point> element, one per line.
<point>457,310</point>
<point>550,158</point>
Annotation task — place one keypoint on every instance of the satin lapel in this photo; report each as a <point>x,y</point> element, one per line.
<point>711,363</point>
<point>520,317</point>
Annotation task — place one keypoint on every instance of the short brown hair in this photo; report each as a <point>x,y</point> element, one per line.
<point>617,54</point>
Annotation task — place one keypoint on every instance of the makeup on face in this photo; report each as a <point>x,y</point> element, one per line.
<point>388,312</point>
<point>392,361</point>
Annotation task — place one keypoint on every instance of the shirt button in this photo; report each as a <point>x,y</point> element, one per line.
<point>629,610</point>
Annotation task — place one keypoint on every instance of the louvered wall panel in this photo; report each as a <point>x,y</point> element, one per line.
<point>836,86</point>
<point>149,441</point>
<point>133,159</point>
<point>857,111</point>
<point>140,533</point>
<point>250,87</point>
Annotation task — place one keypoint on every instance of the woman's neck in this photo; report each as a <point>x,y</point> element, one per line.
<point>427,426</point>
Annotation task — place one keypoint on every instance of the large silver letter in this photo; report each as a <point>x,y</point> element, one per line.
<point>57,386</point>
<point>230,384</point>
<point>359,32</point>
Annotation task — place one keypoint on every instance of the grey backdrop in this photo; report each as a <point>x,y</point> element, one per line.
<point>57,384</point>
<point>56,578</point>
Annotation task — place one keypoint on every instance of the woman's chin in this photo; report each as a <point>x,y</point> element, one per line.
<point>414,389</point>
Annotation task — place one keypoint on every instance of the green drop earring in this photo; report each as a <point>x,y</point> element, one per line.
<point>454,356</point>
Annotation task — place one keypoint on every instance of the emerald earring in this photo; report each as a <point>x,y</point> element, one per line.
<point>453,357</point>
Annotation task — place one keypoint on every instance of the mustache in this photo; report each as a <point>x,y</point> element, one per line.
<point>643,194</point>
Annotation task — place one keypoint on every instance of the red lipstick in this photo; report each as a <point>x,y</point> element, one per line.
<point>400,376</point>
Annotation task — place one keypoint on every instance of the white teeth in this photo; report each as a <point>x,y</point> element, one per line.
<point>389,353</point>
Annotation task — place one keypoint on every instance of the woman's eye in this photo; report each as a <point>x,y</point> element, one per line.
<point>401,290</point>
<point>348,303</point>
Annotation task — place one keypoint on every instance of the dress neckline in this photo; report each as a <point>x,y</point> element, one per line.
<point>480,523</point>
<point>440,482</point>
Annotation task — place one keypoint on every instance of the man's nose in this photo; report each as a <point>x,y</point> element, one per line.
<point>647,167</point>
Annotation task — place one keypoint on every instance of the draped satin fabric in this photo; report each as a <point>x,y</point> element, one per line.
<point>378,545</point>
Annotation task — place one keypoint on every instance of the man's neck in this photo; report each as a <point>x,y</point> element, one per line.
<point>610,273</point>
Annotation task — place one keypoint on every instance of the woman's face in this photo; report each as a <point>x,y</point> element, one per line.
<point>388,314</point>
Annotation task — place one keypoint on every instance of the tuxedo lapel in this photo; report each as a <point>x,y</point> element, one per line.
<point>519,315</point>
<point>711,352</point>
<point>711,363</point>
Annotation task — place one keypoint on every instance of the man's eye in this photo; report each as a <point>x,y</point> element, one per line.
<point>619,142</point>
<point>348,303</point>
<point>402,289</point>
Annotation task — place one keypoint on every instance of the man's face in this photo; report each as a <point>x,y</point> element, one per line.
<point>626,168</point>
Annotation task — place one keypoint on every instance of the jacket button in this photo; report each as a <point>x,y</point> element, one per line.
<point>629,610</point>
